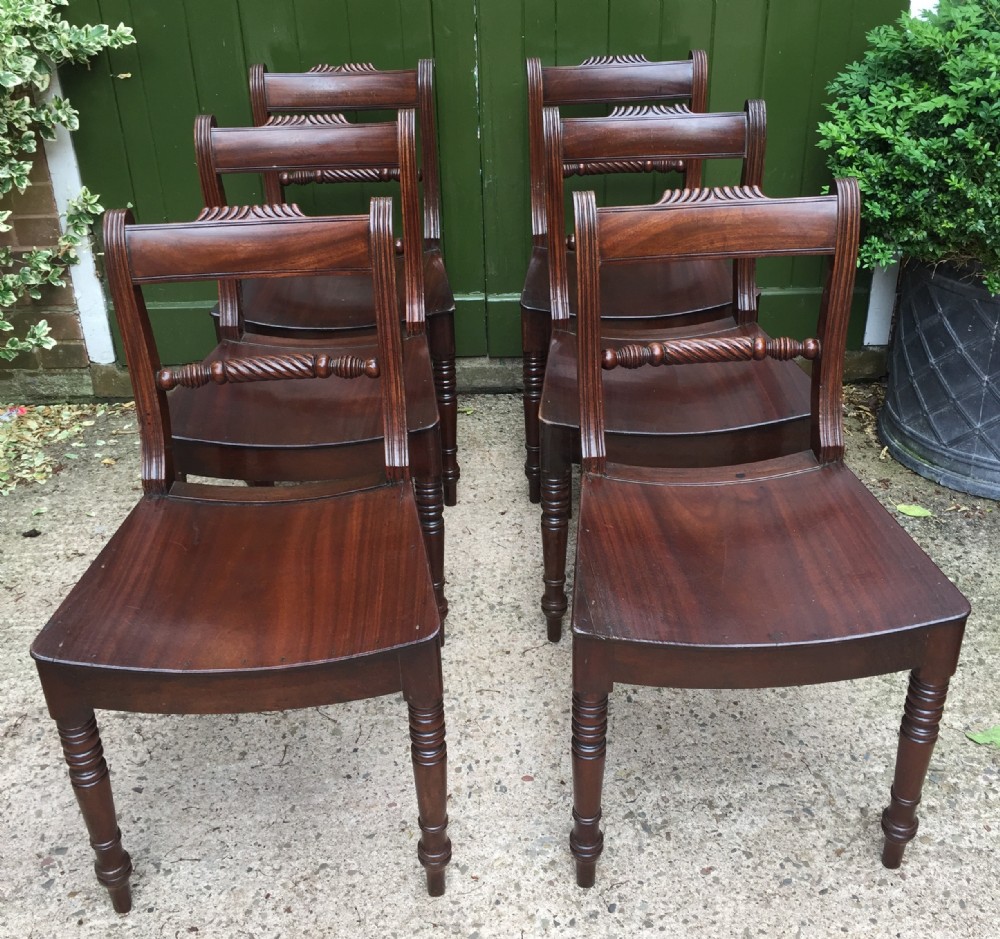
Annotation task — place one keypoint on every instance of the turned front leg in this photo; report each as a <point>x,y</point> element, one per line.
<point>590,729</point>
<point>556,489</point>
<point>917,735</point>
<point>430,503</point>
<point>430,755</point>
<point>88,772</point>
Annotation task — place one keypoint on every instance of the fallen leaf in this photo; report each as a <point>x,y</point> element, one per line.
<point>108,462</point>
<point>914,511</point>
<point>988,738</point>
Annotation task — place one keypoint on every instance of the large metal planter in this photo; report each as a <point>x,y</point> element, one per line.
<point>942,411</point>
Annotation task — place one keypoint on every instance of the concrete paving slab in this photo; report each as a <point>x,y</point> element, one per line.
<point>736,814</point>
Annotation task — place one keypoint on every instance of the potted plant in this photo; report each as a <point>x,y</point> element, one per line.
<point>917,121</point>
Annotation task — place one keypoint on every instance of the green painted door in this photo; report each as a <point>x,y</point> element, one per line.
<point>138,105</point>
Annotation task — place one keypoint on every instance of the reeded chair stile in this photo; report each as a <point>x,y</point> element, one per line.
<point>293,596</point>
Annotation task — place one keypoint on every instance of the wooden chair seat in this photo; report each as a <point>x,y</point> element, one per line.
<point>680,291</point>
<point>296,431</point>
<point>788,553</point>
<point>320,305</point>
<point>359,588</point>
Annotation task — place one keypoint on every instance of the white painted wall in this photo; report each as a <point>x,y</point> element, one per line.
<point>66,184</point>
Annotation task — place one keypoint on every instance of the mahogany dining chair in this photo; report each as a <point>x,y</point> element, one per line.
<point>762,573</point>
<point>281,98</point>
<point>226,599</point>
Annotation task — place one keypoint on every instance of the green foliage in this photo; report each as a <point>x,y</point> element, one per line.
<point>33,41</point>
<point>917,121</point>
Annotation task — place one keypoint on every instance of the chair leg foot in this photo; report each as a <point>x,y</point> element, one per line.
<point>556,489</point>
<point>429,754</point>
<point>917,735</point>
<point>88,772</point>
<point>590,728</point>
<point>586,873</point>
<point>435,883</point>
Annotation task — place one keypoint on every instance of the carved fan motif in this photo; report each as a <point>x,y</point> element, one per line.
<point>648,110</point>
<point>346,67</point>
<point>234,213</point>
<point>615,60</point>
<point>715,194</point>
<point>298,120</point>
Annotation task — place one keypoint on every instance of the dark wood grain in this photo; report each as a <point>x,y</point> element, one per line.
<point>293,596</point>
<point>776,570</point>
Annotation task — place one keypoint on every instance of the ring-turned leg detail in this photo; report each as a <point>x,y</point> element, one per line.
<point>429,753</point>
<point>590,728</point>
<point>917,735</point>
<point>88,772</point>
<point>556,493</point>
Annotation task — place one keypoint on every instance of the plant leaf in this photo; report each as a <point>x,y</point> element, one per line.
<point>914,511</point>
<point>990,738</point>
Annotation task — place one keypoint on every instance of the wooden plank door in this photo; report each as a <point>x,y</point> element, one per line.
<point>784,51</point>
<point>138,104</point>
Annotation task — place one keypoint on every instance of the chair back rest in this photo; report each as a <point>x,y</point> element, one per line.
<point>240,243</point>
<point>719,223</point>
<point>612,80</point>
<point>331,89</point>
<point>322,149</point>
<point>643,141</point>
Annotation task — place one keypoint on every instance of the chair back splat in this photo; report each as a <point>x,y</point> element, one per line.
<point>613,81</point>
<point>321,150</point>
<point>774,570</point>
<point>291,596</point>
<point>735,223</point>
<point>332,89</point>
<point>642,141</point>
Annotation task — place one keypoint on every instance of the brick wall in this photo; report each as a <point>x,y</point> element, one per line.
<point>63,370</point>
